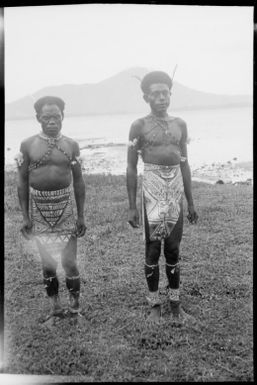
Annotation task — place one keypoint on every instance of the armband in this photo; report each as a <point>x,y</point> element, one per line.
<point>19,159</point>
<point>78,160</point>
<point>133,143</point>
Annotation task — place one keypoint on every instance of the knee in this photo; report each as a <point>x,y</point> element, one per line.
<point>152,252</point>
<point>49,271</point>
<point>70,267</point>
<point>49,265</point>
<point>171,252</point>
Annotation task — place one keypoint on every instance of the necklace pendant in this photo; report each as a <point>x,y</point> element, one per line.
<point>51,142</point>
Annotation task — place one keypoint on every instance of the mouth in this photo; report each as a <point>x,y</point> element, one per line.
<point>52,131</point>
<point>52,128</point>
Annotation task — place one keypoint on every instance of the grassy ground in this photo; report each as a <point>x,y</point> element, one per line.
<point>112,341</point>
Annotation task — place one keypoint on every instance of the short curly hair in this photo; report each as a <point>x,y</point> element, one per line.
<point>155,77</point>
<point>40,103</point>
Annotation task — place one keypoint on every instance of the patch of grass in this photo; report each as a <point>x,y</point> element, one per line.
<point>113,342</point>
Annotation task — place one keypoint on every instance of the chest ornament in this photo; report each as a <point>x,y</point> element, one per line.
<point>51,144</point>
<point>159,132</point>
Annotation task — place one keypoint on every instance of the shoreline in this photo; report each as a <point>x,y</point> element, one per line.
<point>111,158</point>
<point>232,172</point>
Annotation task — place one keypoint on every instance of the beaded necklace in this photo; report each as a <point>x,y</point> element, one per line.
<point>51,142</point>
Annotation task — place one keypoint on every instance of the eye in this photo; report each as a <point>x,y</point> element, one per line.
<point>46,118</point>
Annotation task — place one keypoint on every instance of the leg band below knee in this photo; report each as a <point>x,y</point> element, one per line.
<point>173,275</point>
<point>51,285</point>
<point>150,270</point>
<point>73,284</point>
<point>173,268</point>
<point>152,277</point>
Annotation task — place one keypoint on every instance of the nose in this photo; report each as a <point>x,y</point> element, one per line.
<point>52,121</point>
<point>162,96</point>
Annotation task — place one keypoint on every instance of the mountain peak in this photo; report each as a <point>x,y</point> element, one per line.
<point>119,94</point>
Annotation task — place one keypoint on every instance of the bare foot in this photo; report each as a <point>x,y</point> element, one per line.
<point>155,314</point>
<point>74,307</point>
<point>56,313</point>
<point>178,315</point>
<point>52,319</point>
<point>57,309</point>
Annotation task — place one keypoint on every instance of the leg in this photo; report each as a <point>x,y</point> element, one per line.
<point>152,255</point>
<point>69,263</point>
<point>50,279</point>
<point>171,253</point>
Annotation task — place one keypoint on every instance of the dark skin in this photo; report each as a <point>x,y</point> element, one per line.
<point>163,153</point>
<point>55,174</point>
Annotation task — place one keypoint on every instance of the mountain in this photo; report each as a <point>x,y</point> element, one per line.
<point>119,94</point>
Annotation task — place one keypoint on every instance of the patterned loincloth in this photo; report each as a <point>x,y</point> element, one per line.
<point>53,218</point>
<point>161,199</point>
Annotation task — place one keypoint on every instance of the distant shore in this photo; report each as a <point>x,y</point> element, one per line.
<point>230,172</point>
<point>139,112</point>
<point>110,158</point>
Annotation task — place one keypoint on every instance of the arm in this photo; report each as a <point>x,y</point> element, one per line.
<point>186,175</point>
<point>79,190</point>
<point>132,160</point>
<point>22,160</point>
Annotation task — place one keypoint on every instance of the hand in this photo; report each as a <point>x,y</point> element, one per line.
<point>133,218</point>
<point>80,227</point>
<point>192,215</point>
<point>26,229</point>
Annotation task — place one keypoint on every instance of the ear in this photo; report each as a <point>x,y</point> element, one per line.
<point>38,118</point>
<point>146,98</point>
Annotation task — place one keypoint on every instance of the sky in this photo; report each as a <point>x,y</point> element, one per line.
<point>212,46</point>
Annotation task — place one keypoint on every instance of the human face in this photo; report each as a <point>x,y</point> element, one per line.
<point>158,97</point>
<point>51,118</point>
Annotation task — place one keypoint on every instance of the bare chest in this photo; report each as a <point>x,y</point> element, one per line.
<point>43,152</point>
<point>161,132</point>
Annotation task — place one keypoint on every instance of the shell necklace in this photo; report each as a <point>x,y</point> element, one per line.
<point>52,142</point>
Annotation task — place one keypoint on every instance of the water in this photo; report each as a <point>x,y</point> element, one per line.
<point>215,135</point>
